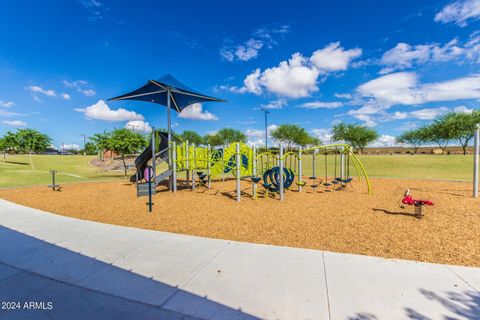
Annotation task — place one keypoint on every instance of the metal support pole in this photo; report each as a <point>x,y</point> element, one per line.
<point>342,163</point>
<point>300,168</point>
<point>174,167</point>
<point>237,159</point>
<point>254,172</point>
<point>209,166</point>
<point>194,165</point>
<point>154,166</point>
<point>475,160</point>
<point>266,128</point>
<point>169,116</point>
<point>313,163</point>
<point>280,176</point>
<point>187,162</point>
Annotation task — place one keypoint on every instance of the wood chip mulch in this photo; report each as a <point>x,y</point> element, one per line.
<point>342,221</point>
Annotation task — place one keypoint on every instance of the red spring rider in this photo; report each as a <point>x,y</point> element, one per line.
<point>418,203</point>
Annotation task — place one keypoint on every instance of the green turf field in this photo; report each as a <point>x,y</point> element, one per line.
<point>17,171</point>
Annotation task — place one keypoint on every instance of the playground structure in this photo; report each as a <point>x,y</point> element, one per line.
<point>279,170</point>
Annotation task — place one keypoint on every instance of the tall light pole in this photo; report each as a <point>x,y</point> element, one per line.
<point>84,143</point>
<point>266,127</point>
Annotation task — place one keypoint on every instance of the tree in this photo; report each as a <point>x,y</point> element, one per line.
<point>225,136</point>
<point>292,134</point>
<point>439,132</point>
<point>356,135</point>
<point>8,143</point>
<point>192,137</point>
<point>30,140</point>
<point>124,142</point>
<point>101,142</point>
<point>412,138</point>
<point>462,126</point>
<point>90,148</point>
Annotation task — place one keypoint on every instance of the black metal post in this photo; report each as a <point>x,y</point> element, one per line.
<point>149,191</point>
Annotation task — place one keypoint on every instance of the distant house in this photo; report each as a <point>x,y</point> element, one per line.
<point>51,151</point>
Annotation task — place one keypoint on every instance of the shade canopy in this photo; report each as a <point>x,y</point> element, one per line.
<point>156,91</point>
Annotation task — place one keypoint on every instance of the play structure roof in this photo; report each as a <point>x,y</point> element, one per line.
<point>156,91</point>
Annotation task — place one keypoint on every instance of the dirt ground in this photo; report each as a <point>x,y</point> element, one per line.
<point>341,221</point>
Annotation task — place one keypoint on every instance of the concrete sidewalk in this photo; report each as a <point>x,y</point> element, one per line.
<point>89,270</point>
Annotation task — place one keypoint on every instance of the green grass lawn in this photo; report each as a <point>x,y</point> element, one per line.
<point>17,171</point>
<point>447,167</point>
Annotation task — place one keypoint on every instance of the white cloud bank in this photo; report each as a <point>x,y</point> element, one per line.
<point>15,123</point>
<point>139,126</point>
<point>384,140</point>
<point>404,88</point>
<point>263,37</point>
<point>321,104</point>
<point>459,12</point>
<point>101,111</point>
<point>196,112</point>
<point>404,55</point>
<point>6,104</point>
<point>256,137</point>
<point>47,92</point>
<point>297,77</point>
<point>80,86</point>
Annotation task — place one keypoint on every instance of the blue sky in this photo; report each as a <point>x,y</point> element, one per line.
<point>389,65</point>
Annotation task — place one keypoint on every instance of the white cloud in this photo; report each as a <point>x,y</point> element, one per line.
<point>403,88</point>
<point>369,120</point>
<point>6,104</point>
<point>80,86</point>
<point>256,137</point>
<point>298,76</point>
<point>472,48</point>
<point>65,96</point>
<point>4,113</point>
<point>275,104</point>
<point>463,109</point>
<point>101,111</point>
<point>384,140</point>
<point>324,135</point>
<point>196,112</point>
<point>138,126</point>
<point>343,95</point>
<point>38,89</point>
<point>74,84</point>
<point>334,58</point>
<point>249,50</point>
<point>263,37</point>
<point>293,78</point>
<point>428,113</point>
<point>459,12</point>
<point>88,92</point>
<point>260,133</point>
<point>404,55</point>
<point>321,104</point>
<point>15,123</point>
<point>95,8</point>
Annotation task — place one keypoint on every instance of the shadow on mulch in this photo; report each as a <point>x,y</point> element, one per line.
<point>400,213</point>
